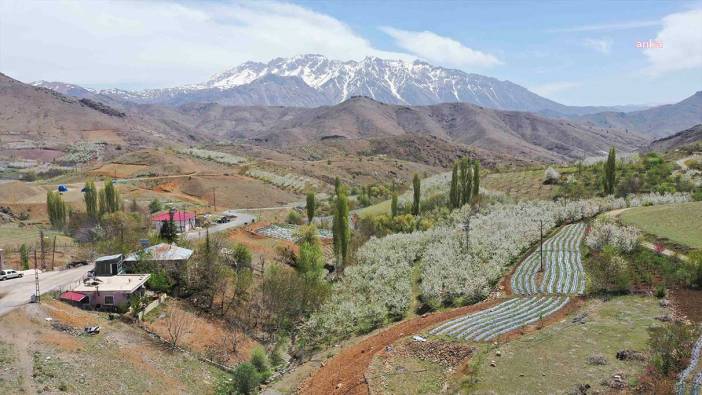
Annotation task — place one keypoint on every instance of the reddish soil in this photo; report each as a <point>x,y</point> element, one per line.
<point>345,372</point>
<point>688,302</point>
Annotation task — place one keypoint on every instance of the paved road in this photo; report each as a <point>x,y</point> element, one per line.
<point>240,220</point>
<point>16,292</point>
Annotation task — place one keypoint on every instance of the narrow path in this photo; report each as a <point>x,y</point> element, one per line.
<point>345,372</point>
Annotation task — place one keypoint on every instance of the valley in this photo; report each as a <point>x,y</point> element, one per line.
<point>384,221</point>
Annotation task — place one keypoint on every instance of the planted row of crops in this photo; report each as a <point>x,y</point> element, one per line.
<point>563,268</point>
<point>503,318</point>
<point>455,267</point>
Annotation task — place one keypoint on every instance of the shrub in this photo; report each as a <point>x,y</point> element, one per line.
<point>671,346</point>
<point>259,360</point>
<point>246,378</point>
<point>551,176</point>
<point>660,291</point>
<point>295,218</point>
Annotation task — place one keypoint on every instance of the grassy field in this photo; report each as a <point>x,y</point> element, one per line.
<point>555,359</point>
<point>13,235</point>
<point>521,185</point>
<point>679,223</point>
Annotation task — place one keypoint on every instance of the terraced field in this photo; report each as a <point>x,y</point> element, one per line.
<point>503,318</point>
<point>563,268</point>
<point>563,276</point>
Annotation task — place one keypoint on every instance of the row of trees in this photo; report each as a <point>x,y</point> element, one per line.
<point>465,183</point>
<point>97,203</point>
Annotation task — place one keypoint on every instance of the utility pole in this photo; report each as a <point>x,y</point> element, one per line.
<point>53,254</point>
<point>37,297</point>
<point>214,198</point>
<point>43,249</point>
<point>541,243</point>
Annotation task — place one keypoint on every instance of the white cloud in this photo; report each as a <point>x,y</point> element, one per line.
<point>602,45</point>
<point>552,88</point>
<point>439,49</point>
<point>606,27</point>
<point>157,43</point>
<point>681,39</point>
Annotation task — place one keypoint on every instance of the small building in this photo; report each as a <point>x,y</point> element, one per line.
<point>110,265</point>
<point>111,292</point>
<point>74,298</point>
<point>169,256</point>
<point>183,220</point>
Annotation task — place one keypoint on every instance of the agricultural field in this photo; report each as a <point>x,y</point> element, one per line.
<point>13,235</point>
<point>220,157</point>
<point>679,223</point>
<point>580,349</point>
<point>289,181</point>
<point>528,184</point>
<point>501,319</point>
<point>563,268</point>
<point>287,232</point>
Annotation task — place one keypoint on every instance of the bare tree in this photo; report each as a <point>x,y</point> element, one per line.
<point>178,324</point>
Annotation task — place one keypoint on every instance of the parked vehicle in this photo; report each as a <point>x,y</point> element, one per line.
<point>8,274</point>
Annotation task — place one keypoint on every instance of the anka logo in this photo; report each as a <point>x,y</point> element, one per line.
<point>649,44</point>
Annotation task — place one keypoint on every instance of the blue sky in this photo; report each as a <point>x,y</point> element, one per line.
<point>578,53</point>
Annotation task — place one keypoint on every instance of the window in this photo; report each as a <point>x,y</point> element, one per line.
<point>109,300</point>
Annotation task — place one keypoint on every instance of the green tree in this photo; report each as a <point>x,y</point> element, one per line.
<point>112,200</point>
<point>169,232</point>
<point>155,206</point>
<point>393,205</point>
<point>337,185</point>
<point>341,231</point>
<point>24,256</point>
<point>465,182</point>
<point>90,198</point>
<point>259,360</point>
<point>610,172</point>
<point>454,192</point>
<point>242,256</point>
<point>311,206</point>
<point>476,182</point>
<point>56,209</point>
<point>417,194</point>
<point>246,379</point>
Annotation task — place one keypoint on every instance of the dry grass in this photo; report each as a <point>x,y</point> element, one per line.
<point>520,185</point>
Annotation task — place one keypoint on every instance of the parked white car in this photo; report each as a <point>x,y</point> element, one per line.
<point>8,274</point>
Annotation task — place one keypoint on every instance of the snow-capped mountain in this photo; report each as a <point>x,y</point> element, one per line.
<point>64,88</point>
<point>314,80</point>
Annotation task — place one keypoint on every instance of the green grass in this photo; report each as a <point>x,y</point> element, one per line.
<point>520,185</point>
<point>679,223</point>
<point>10,378</point>
<point>554,359</point>
<point>13,235</point>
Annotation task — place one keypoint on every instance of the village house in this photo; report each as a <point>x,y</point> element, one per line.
<point>183,220</point>
<point>168,256</point>
<point>108,292</point>
<point>110,265</point>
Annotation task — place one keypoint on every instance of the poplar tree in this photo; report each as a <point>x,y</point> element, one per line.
<point>341,231</point>
<point>56,209</point>
<point>454,194</point>
<point>465,182</point>
<point>610,172</point>
<point>90,198</point>
<point>476,181</point>
<point>393,205</point>
<point>416,187</point>
<point>311,206</point>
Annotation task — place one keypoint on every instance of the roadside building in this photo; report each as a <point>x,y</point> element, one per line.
<point>110,265</point>
<point>184,220</point>
<point>168,256</point>
<point>110,292</point>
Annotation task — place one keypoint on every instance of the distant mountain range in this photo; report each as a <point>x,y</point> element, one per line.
<point>657,121</point>
<point>314,80</point>
<point>678,140</point>
<point>50,119</point>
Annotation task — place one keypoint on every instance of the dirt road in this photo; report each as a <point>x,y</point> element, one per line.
<point>17,292</point>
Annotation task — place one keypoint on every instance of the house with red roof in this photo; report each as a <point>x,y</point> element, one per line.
<point>183,220</point>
